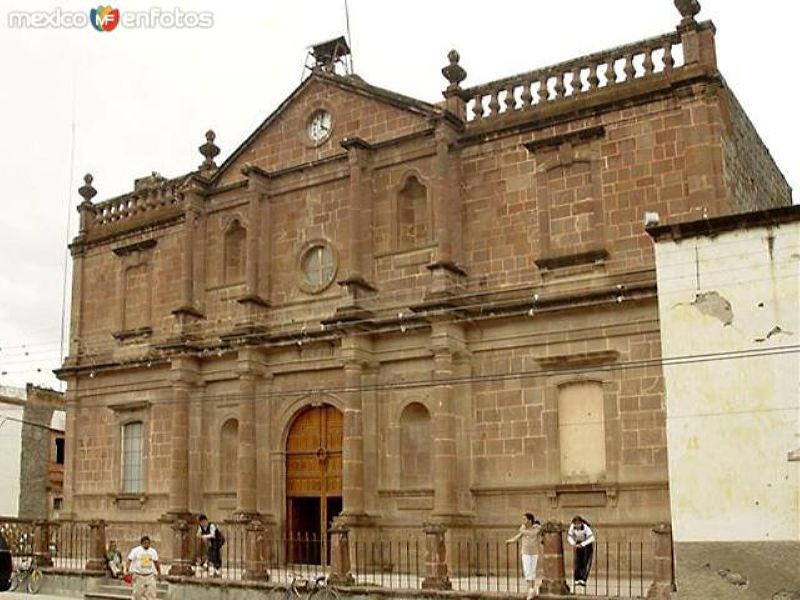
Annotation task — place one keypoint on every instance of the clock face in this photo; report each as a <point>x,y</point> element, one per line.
<point>319,126</point>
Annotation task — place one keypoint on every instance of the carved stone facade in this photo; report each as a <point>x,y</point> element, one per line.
<point>404,312</point>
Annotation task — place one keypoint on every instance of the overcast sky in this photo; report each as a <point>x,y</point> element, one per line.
<point>144,98</point>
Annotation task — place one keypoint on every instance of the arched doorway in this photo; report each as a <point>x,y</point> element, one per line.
<point>313,480</point>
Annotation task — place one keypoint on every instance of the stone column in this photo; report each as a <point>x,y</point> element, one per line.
<point>257,552</point>
<point>353,442</point>
<point>554,580</point>
<point>435,558</point>
<point>182,547</point>
<point>250,368</point>
<point>41,543</point>
<point>445,494</point>
<point>663,581</point>
<point>340,555</point>
<point>183,377</point>
<point>97,546</point>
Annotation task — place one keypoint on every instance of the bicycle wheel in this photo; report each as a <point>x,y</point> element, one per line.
<point>325,592</point>
<point>15,581</point>
<point>35,580</point>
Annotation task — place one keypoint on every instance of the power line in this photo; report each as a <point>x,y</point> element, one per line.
<point>463,380</point>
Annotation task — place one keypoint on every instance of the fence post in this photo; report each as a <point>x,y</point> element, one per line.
<point>182,548</point>
<point>340,554</point>
<point>435,558</point>
<point>96,561</point>
<point>554,580</point>
<point>41,543</point>
<point>255,564</point>
<point>663,581</point>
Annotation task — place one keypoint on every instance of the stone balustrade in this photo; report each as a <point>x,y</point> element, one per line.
<point>574,78</point>
<point>131,205</point>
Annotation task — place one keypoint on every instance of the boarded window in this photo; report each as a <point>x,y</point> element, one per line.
<point>133,458</point>
<point>137,297</point>
<point>581,432</point>
<point>229,455</point>
<point>234,253</point>
<point>413,220</point>
<point>415,446</point>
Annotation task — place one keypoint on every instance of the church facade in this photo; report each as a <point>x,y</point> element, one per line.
<point>401,312</point>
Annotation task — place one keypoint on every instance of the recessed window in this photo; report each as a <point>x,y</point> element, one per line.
<point>317,267</point>
<point>59,451</point>
<point>133,458</point>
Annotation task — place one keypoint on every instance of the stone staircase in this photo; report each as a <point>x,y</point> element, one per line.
<point>116,589</point>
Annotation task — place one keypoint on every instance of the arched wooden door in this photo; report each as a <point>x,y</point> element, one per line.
<point>313,481</point>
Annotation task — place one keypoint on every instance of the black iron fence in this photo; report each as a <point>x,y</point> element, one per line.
<point>621,568</point>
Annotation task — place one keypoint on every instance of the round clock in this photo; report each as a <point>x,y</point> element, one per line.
<point>319,126</point>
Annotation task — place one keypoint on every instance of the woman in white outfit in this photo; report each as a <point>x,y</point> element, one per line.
<point>530,537</point>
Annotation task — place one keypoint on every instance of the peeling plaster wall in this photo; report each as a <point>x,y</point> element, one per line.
<point>731,422</point>
<point>10,450</point>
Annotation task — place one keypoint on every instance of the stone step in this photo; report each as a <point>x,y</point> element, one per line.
<point>118,590</point>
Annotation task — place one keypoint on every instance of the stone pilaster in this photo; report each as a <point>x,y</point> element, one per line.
<point>184,376</point>
<point>251,368</point>
<point>253,302</point>
<point>41,543</point>
<point>97,546</point>
<point>554,579</point>
<point>357,258</point>
<point>70,445</point>
<point>257,552</point>
<point>435,558</point>
<point>446,274</point>
<point>355,354</point>
<point>187,312</point>
<point>182,545</point>
<point>340,555</point>
<point>663,579</point>
<point>444,344</point>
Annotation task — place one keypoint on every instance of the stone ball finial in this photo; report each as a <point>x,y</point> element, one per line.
<point>688,9</point>
<point>86,191</point>
<point>209,150</point>
<point>454,73</point>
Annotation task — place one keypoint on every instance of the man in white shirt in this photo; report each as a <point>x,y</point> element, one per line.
<point>143,565</point>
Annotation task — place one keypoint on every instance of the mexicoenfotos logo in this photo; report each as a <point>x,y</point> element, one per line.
<point>104,18</point>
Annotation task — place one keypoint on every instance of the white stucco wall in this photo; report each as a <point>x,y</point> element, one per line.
<point>733,405</point>
<point>10,451</point>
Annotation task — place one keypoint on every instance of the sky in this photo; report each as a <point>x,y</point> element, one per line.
<point>123,103</point>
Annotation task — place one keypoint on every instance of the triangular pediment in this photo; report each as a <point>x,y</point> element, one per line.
<point>356,109</point>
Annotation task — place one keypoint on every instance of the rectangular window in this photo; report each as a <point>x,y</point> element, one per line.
<point>59,451</point>
<point>132,458</point>
<point>581,432</point>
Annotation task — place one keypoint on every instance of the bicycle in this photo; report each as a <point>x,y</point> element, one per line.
<point>299,587</point>
<point>28,574</point>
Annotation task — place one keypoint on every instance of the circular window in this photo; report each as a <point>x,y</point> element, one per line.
<point>317,266</point>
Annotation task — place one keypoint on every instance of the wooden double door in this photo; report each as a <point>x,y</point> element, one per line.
<point>313,482</point>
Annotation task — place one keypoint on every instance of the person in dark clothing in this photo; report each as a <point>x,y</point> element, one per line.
<point>208,533</point>
<point>581,538</point>
<point>6,566</point>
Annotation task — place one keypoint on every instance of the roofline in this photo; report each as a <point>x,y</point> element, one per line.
<point>398,100</point>
<point>718,225</point>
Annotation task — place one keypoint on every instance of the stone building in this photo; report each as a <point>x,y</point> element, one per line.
<point>32,423</point>
<point>403,311</point>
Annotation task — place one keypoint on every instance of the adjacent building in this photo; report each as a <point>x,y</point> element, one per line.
<point>729,298</point>
<point>399,311</point>
<point>32,422</point>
